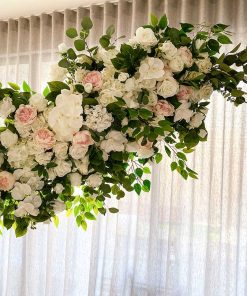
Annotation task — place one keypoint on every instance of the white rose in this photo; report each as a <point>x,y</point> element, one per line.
<point>151,68</point>
<point>35,183</point>
<point>61,150</point>
<point>168,50</point>
<point>123,76</point>
<point>106,97</point>
<point>94,180</point>
<point>59,206</point>
<point>183,112</point>
<point>62,48</point>
<point>51,174</point>
<point>20,191</point>
<point>130,84</point>
<point>6,107</point>
<point>197,120</point>
<point>57,73</point>
<point>202,133</point>
<point>38,101</point>
<point>147,83</point>
<point>152,98</point>
<point>75,179</point>
<point>58,188</point>
<point>80,74</point>
<point>186,56</point>
<point>82,165</point>
<point>34,148</point>
<point>17,155</point>
<point>1,159</point>
<point>204,65</point>
<point>88,87</point>
<point>78,152</point>
<point>8,139</point>
<point>124,121</point>
<point>43,158</point>
<point>168,88</point>
<point>29,206</point>
<point>205,92</point>
<point>115,141</point>
<point>176,64</point>
<point>145,37</point>
<point>63,167</point>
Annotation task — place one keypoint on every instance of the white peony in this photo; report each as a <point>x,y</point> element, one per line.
<point>20,191</point>
<point>38,101</point>
<point>58,188</point>
<point>151,68</point>
<point>57,73</point>
<point>63,167</point>
<point>168,50</point>
<point>61,150</point>
<point>29,206</point>
<point>35,183</point>
<point>204,65</point>
<point>65,119</point>
<point>8,139</point>
<point>130,84</point>
<point>197,120</point>
<point>59,206</point>
<point>82,165</point>
<point>183,112</point>
<point>6,107</point>
<point>145,37</point>
<point>115,141</point>
<point>17,155</point>
<point>77,152</point>
<point>75,179</point>
<point>43,158</point>
<point>147,83</point>
<point>123,76</point>
<point>168,87</point>
<point>176,64</point>
<point>106,97</point>
<point>94,180</point>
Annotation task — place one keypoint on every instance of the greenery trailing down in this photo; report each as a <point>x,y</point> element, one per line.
<point>109,113</point>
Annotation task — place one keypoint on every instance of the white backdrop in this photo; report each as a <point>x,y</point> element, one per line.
<point>182,239</point>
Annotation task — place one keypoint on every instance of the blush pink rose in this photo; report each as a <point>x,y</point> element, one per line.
<point>45,138</point>
<point>7,181</point>
<point>185,93</point>
<point>95,78</point>
<point>25,114</point>
<point>82,139</point>
<point>163,108</point>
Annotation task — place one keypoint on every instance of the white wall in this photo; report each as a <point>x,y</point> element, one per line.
<point>17,8</point>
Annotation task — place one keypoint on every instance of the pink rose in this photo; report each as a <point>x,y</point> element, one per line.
<point>45,138</point>
<point>7,181</point>
<point>95,79</point>
<point>82,139</point>
<point>25,114</point>
<point>185,93</point>
<point>163,108</point>
<point>186,56</point>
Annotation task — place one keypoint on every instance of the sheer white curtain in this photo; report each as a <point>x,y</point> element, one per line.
<point>182,239</point>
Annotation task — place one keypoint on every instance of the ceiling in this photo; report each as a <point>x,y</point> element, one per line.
<point>18,8</point>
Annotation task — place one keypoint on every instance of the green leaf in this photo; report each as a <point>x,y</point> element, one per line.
<point>163,22</point>
<point>46,91</point>
<point>113,210</point>
<point>84,225</point>
<point>71,54</point>
<point>104,41</point>
<point>237,93</point>
<point>89,101</point>
<point>137,188</point>
<point>56,221</point>
<point>89,216</point>
<point>146,185</point>
<point>145,113</point>
<point>79,44</point>
<point>235,48</point>
<point>57,86</point>
<point>223,39</point>
<point>86,23</point>
<point>158,157</point>
<point>186,27</point>
<point>64,63</point>
<point>14,86</point>
<point>168,151</point>
<point>213,45</point>
<point>181,155</point>
<point>139,172</point>
<point>191,139</point>
<point>173,165</point>
<point>26,87</point>
<point>154,20</point>
<point>71,33</point>
<point>146,170</point>
<point>110,30</point>
<point>218,28</point>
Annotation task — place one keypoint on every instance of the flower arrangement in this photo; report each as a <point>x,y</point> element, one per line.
<point>109,112</point>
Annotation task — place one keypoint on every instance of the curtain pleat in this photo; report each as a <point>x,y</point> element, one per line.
<point>184,238</point>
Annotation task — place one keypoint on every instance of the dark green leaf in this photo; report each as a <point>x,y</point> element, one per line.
<point>79,44</point>
<point>71,33</point>
<point>87,23</point>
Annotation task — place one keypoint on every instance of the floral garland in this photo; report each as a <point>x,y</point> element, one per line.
<point>108,113</point>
